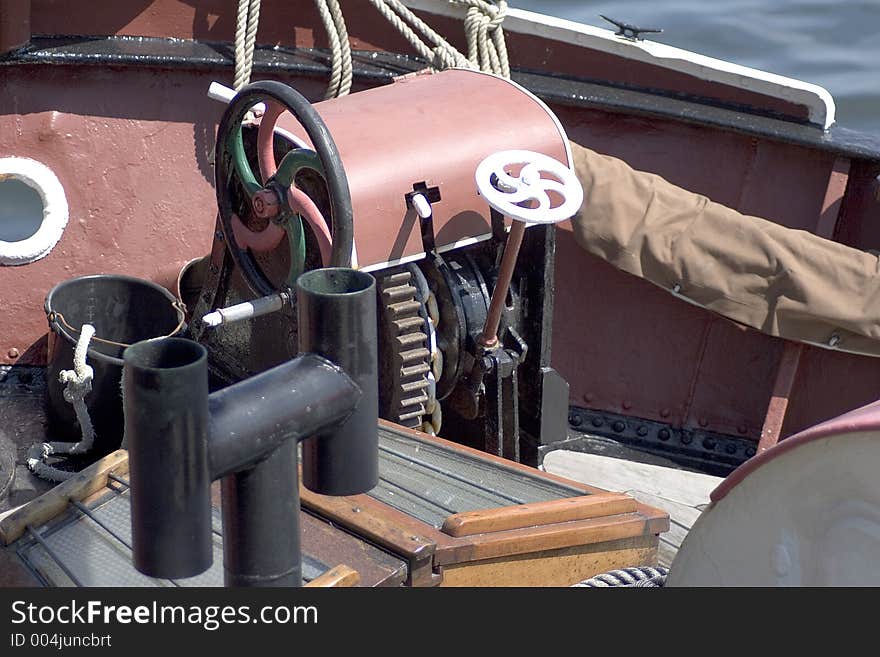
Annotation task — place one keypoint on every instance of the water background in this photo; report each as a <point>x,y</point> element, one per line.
<point>832,43</point>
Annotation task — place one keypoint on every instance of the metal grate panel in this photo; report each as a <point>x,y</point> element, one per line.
<point>431,482</point>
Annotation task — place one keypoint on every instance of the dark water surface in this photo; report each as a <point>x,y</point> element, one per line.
<point>835,44</point>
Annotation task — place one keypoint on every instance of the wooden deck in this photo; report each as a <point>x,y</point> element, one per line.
<point>682,494</point>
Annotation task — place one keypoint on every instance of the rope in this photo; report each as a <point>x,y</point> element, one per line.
<point>441,55</point>
<point>78,383</point>
<point>246,22</point>
<point>340,48</point>
<point>485,38</point>
<point>644,576</point>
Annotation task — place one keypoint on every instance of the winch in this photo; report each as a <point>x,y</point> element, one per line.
<point>388,180</point>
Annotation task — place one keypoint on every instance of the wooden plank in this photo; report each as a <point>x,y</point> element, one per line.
<point>376,522</point>
<point>786,372</point>
<point>681,519</point>
<point>689,488</point>
<point>562,567</point>
<point>550,537</point>
<point>340,576</point>
<point>52,502</point>
<point>539,513</point>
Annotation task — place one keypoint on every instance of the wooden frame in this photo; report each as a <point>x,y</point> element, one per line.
<point>550,543</point>
<point>360,564</point>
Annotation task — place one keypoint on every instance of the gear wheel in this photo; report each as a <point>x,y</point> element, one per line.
<point>404,357</point>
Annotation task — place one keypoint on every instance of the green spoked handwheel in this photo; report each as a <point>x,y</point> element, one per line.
<point>231,164</point>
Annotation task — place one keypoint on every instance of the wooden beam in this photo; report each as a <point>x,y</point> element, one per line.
<point>776,409</point>
<point>538,513</point>
<point>340,576</point>
<point>834,192</point>
<point>54,501</point>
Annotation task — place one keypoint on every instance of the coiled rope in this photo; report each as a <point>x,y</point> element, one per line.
<point>78,383</point>
<point>487,50</point>
<point>644,576</point>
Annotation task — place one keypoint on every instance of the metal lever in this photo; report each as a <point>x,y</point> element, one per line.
<point>525,198</point>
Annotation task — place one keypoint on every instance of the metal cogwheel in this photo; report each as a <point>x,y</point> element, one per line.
<point>404,357</point>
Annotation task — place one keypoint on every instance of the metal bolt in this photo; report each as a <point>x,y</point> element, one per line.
<point>575,420</point>
<point>686,439</point>
<point>750,451</point>
<point>265,204</point>
<point>13,353</point>
<point>356,509</point>
<point>627,404</point>
<point>730,448</point>
<point>663,434</point>
<point>597,422</point>
<point>218,235</point>
<point>704,422</point>
<point>709,443</point>
<point>618,426</point>
<point>664,412</point>
<point>588,397</point>
<point>742,429</point>
<point>642,431</point>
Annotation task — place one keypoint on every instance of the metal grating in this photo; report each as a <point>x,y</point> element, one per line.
<point>90,546</point>
<point>431,482</point>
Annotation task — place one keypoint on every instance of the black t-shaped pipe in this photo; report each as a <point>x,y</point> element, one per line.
<point>180,439</point>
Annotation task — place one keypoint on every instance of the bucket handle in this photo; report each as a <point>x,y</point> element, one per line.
<point>178,306</point>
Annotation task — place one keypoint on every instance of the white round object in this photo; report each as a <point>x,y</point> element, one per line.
<point>545,191</point>
<point>804,513</point>
<point>50,220</point>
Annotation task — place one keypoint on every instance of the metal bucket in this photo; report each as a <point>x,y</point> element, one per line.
<point>123,310</point>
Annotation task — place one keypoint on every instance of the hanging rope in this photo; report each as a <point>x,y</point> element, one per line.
<point>78,383</point>
<point>246,22</point>
<point>645,576</point>
<point>440,55</point>
<point>340,48</point>
<point>485,38</point>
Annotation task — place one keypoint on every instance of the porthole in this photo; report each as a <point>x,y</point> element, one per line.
<point>33,210</point>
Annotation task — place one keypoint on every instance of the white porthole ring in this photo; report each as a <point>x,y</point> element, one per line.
<point>45,183</point>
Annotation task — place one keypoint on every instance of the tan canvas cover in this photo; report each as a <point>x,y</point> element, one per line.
<point>784,282</point>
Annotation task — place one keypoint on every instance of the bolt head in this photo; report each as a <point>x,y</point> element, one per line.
<point>664,412</point>
<point>618,426</point>
<point>663,434</point>
<point>575,420</point>
<point>13,353</point>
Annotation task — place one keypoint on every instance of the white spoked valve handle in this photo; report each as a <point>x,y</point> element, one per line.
<point>544,190</point>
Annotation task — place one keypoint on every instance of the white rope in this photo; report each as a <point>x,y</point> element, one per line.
<point>643,576</point>
<point>485,38</point>
<point>247,21</point>
<point>78,383</point>
<point>441,55</point>
<point>340,48</point>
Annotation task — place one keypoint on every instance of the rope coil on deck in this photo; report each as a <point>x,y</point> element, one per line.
<point>642,576</point>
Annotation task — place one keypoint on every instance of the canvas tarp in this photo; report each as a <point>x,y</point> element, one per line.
<point>784,282</point>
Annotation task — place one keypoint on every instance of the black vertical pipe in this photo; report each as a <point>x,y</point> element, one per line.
<point>261,545</point>
<point>337,320</point>
<point>165,392</point>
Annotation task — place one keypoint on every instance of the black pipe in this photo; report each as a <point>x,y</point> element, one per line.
<point>165,394</point>
<point>180,439</point>
<point>337,320</point>
<point>261,542</point>
<point>252,418</point>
